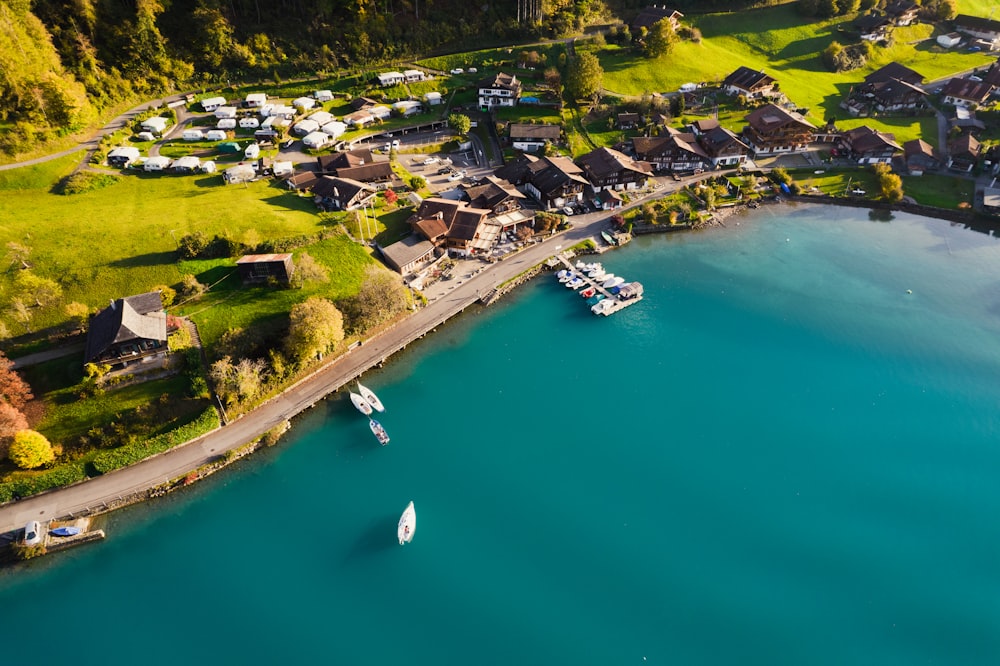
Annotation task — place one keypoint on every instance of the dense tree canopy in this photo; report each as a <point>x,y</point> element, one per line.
<point>585,76</point>
<point>316,327</point>
<point>30,449</point>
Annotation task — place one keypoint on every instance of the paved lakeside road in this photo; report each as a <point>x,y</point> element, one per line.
<point>95,493</point>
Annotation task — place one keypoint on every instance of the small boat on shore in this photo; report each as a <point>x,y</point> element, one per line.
<point>361,404</point>
<point>608,238</point>
<point>67,531</point>
<point>370,396</point>
<point>407,524</point>
<point>380,434</point>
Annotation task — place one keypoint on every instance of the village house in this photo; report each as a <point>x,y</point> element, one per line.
<point>966,92</point>
<point>920,156</point>
<point>433,98</point>
<point>305,126</point>
<point>609,169</point>
<point>257,268</point>
<point>321,117</point>
<point>359,103</point>
<point>750,83</point>
<point>500,90</point>
<point>408,107</point>
<point>673,151</point>
<point>453,225</point>
<point>894,87</point>
<point>333,193</point>
<point>964,118</point>
<point>410,254</point>
<point>255,100</point>
<point>530,137</point>
<point>772,129</point>
<point>358,164</point>
<point>723,147</point>
<point>949,40</point>
<point>650,16</point>
<point>301,181</point>
<point>303,104</point>
<point>963,153</point>
<point>323,96</point>
<point>333,129</point>
<point>985,29</point>
<point>867,146</point>
<point>132,329</point>
<point>414,75</point>
<point>390,79</point>
<point>628,121</point>
<point>874,27</point>
<point>157,125</point>
<point>316,140</point>
<point>902,12</point>
<point>552,181</point>
<point>496,195</point>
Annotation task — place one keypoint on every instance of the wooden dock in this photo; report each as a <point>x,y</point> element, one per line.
<point>616,303</point>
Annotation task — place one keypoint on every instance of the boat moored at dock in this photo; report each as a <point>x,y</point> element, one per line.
<point>370,396</point>
<point>361,404</point>
<point>380,434</point>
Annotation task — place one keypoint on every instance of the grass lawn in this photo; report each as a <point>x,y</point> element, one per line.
<point>939,191</point>
<point>121,239</point>
<point>231,305</point>
<point>836,182</point>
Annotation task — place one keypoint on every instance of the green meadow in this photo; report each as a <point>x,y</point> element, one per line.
<point>783,43</point>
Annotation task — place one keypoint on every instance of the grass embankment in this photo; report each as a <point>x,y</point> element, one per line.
<point>940,191</point>
<point>786,45</point>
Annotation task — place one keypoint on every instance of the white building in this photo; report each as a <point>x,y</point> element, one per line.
<point>414,75</point>
<point>282,169</point>
<point>215,135</point>
<point>255,100</point>
<point>334,128</point>
<point>316,140</point>
<point>949,40</point>
<point>241,173</point>
<point>249,123</point>
<point>433,98</point>
<point>323,96</point>
<point>306,126</point>
<point>156,124</point>
<point>252,151</point>
<point>390,79</point>
<point>158,163</point>
<point>321,117</point>
<point>212,103</point>
<point>185,164</point>
<point>303,103</point>
<point>193,135</point>
<point>225,112</point>
<point>501,90</point>
<point>226,124</point>
<point>380,112</point>
<point>408,108</point>
<point>123,156</point>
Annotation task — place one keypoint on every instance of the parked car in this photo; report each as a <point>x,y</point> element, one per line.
<point>32,533</point>
<point>443,170</point>
<point>457,175</point>
<point>458,70</point>
<point>430,160</point>
<point>567,210</point>
<point>395,144</point>
<point>473,70</point>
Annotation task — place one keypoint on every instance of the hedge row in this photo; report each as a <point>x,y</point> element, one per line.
<point>57,477</point>
<point>132,453</point>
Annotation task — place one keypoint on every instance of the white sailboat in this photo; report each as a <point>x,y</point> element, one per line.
<point>407,525</point>
<point>370,396</point>
<point>361,404</point>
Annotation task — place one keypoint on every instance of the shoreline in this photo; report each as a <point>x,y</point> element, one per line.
<point>199,458</point>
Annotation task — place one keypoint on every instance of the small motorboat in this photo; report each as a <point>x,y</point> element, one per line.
<point>607,280</point>
<point>67,531</point>
<point>361,404</point>
<point>370,396</point>
<point>608,238</point>
<point>380,434</point>
<point>407,524</point>
<point>568,276</point>
<point>575,283</point>
<point>588,292</point>
<point>614,282</point>
<point>597,298</point>
<point>563,273</point>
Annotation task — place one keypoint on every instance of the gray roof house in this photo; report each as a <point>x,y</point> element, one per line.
<point>130,329</point>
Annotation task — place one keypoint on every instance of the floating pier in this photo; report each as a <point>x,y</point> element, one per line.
<point>611,302</point>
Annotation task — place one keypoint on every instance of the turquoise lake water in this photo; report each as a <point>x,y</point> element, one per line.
<point>781,456</point>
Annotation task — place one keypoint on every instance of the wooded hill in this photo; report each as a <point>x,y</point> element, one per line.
<point>62,60</point>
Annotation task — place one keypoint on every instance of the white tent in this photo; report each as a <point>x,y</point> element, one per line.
<point>158,163</point>
<point>304,103</point>
<point>186,163</point>
<point>316,140</point>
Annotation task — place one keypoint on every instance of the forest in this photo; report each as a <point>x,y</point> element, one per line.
<point>62,62</point>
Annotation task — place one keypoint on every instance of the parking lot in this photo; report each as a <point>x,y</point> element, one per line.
<point>444,172</point>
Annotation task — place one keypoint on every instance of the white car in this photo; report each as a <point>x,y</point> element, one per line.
<point>395,143</point>
<point>458,175</point>
<point>473,70</point>
<point>430,160</point>
<point>458,70</point>
<point>567,210</point>
<point>32,534</point>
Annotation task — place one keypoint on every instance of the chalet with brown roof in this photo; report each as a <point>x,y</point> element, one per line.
<point>902,12</point>
<point>894,87</point>
<point>985,29</point>
<point>650,16</point>
<point>461,225</point>
<point>530,137</point>
<point>358,164</point>
<point>410,254</point>
<point>867,146</point>
<point>704,125</point>
<point>130,330</point>
<point>772,129</point>
<point>674,151</point>
<point>750,83</point>
<point>359,103</point>
<point>723,147</point>
<point>612,170</point>
<point>552,181</point>
<point>874,27</point>
<point>301,181</point>
<point>963,153</point>
<point>967,93</point>
<point>496,195</point>
<point>920,156</point>
<point>897,72</point>
<point>255,268</point>
<point>627,121</point>
<point>334,193</point>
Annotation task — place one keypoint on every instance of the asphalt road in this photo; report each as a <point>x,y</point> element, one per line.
<point>95,493</point>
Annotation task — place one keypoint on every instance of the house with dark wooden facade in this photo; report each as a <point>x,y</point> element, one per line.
<point>255,268</point>
<point>902,12</point>
<point>333,193</point>
<point>130,330</point>
<point>671,152</point>
<point>608,169</point>
<point>750,83</point>
<point>967,93</point>
<point>963,153</point>
<point>723,147</point>
<point>650,16</point>
<point>920,156</point>
<point>358,164</point>
<point>771,129</point>
<point>530,137</point>
<point>552,181</point>
<point>452,225</point>
<point>867,146</point>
